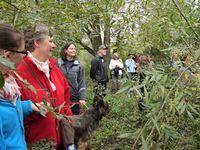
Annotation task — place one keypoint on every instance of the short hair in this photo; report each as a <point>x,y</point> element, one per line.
<point>102,47</point>
<point>35,33</point>
<point>130,54</point>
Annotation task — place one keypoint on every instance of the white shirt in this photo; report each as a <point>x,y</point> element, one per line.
<point>114,63</point>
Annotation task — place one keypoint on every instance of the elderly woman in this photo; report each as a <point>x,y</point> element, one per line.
<point>116,71</point>
<point>40,70</point>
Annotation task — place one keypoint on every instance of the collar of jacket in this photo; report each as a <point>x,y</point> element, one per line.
<point>8,102</point>
<point>76,62</point>
<point>52,62</point>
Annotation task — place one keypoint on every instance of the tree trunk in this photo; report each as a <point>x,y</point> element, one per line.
<point>107,38</point>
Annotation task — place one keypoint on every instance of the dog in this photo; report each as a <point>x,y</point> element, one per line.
<point>87,122</point>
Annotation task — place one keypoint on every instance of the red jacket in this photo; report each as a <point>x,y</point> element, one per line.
<point>37,126</point>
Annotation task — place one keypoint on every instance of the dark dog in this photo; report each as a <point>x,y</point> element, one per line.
<point>89,121</point>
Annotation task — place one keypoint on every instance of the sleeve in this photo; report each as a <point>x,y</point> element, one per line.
<point>2,141</point>
<point>127,63</point>
<point>94,65</point>
<point>121,64</point>
<point>67,109</point>
<point>26,107</point>
<point>134,64</point>
<point>81,83</point>
<point>26,94</point>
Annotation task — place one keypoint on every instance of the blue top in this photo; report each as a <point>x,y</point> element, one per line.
<point>12,136</point>
<point>130,65</point>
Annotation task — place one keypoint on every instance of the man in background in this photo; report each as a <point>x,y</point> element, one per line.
<point>98,70</point>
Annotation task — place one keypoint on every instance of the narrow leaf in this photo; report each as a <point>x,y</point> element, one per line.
<point>156,125</point>
<point>190,115</point>
<point>144,144</point>
<point>192,108</point>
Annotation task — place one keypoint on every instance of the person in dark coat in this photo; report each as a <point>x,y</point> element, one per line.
<point>98,70</point>
<point>75,74</point>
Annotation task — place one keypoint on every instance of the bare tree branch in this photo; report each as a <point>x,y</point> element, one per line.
<point>90,50</point>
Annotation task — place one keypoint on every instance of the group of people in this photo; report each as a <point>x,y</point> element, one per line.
<point>37,78</point>
<point>132,65</point>
<point>99,69</point>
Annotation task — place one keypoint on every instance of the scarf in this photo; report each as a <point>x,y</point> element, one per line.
<point>10,90</point>
<point>44,67</point>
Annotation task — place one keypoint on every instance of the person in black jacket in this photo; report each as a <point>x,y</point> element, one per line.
<point>75,74</point>
<point>98,70</point>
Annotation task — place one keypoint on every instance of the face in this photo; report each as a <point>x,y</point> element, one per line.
<point>174,55</point>
<point>13,57</point>
<point>148,58</point>
<point>71,51</point>
<point>45,47</point>
<point>102,52</point>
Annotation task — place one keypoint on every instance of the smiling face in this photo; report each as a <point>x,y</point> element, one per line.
<point>71,51</point>
<point>44,48</point>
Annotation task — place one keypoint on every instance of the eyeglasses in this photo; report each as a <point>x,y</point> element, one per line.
<point>18,52</point>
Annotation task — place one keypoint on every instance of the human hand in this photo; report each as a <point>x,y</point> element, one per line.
<point>40,107</point>
<point>82,102</point>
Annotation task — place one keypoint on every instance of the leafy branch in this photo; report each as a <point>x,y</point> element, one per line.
<point>159,113</point>
<point>184,16</point>
<point>9,3</point>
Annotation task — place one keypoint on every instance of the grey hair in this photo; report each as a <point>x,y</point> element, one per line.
<point>32,34</point>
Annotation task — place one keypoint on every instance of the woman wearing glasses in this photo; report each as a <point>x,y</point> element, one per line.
<point>12,109</point>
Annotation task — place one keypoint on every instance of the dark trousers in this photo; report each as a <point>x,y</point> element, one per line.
<point>76,109</point>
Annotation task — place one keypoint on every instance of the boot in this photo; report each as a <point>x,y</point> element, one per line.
<point>117,85</point>
<point>113,87</point>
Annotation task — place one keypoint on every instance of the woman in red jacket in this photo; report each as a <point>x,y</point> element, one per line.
<point>40,70</point>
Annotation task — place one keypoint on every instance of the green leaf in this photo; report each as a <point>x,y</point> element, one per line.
<point>183,108</point>
<point>7,63</point>
<point>156,125</point>
<point>126,135</point>
<point>138,92</point>
<point>190,115</point>
<point>44,101</point>
<point>162,88</point>
<point>144,144</point>
<point>2,81</point>
<point>124,89</point>
<point>192,108</point>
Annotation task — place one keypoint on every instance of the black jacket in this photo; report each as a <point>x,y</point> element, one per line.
<point>98,70</point>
